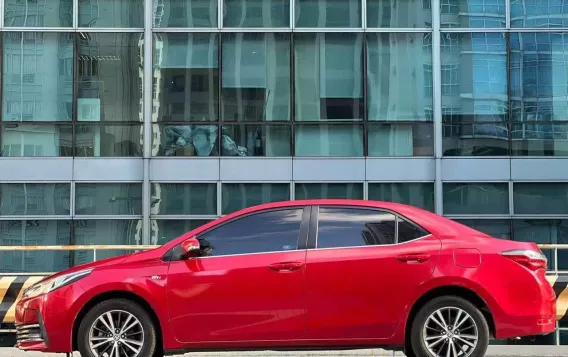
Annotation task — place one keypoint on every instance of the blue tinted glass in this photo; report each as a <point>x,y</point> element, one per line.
<point>539,13</point>
<point>184,13</point>
<point>402,13</point>
<point>476,198</point>
<point>257,13</point>
<point>472,13</point>
<point>328,13</point>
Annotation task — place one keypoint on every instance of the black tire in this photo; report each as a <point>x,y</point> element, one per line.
<point>417,341</point>
<point>149,347</point>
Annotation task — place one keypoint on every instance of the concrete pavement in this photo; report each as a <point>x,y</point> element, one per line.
<point>493,351</point>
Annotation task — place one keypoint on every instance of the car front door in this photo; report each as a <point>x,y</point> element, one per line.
<point>361,276</point>
<point>249,287</point>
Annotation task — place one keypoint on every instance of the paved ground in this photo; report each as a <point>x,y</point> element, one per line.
<point>494,351</point>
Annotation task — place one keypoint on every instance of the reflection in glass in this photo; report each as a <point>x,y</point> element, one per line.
<point>105,232</point>
<point>185,140</point>
<point>36,140</point>
<point>108,198</point>
<point>186,77</point>
<point>412,193</point>
<point>400,13</point>
<point>476,198</point>
<point>34,232</point>
<point>308,191</point>
<point>328,13</point>
<point>110,77</point>
<point>540,198</point>
<point>539,87</point>
<point>329,140</point>
<point>46,13</point>
<point>472,13</point>
<point>184,13</point>
<point>538,14</point>
<point>111,13</point>
<point>236,196</point>
<point>410,139</point>
<point>37,76</point>
<point>256,77</point>
<point>328,77</point>
<point>399,71</point>
<point>544,231</point>
<point>474,94</point>
<point>256,13</point>
<point>165,230</point>
<point>108,140</point>
<point>256,140</point>
<point>498,228</point>
<point>35,199</point>
<point>184,198</point>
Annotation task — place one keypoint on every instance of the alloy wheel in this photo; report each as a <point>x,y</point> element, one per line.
<point>116,333</point>
<point>450,332</point>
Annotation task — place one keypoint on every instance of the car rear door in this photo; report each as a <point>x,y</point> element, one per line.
<point>365,267</point>
<point>251,286</point>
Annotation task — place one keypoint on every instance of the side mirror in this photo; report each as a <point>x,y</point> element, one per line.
<point>190,247</point>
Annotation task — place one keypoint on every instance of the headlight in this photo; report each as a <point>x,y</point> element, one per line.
<point>49,285</point>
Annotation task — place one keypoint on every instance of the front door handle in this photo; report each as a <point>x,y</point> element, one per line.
<point>286,266</point>
<point>414,258</point>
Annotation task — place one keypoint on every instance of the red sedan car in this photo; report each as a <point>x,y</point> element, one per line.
<point>318,274</point>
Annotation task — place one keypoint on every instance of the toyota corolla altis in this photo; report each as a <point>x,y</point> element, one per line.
<point>317,274</point>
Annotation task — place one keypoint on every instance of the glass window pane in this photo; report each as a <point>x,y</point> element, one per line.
<point>108,140</point>
<point>328,13</point>
<point>256,77</point>
<point>36,140</point>
<point>349,227</point>
<point>476,198</point>
<point>498,228</point>
<point>184,198</point>
<point>328,76</point>
<point>111,13</point>
<point>309,191</point>
<point>540,198</point>
<point>35,199</point>
<point>34,232</point>
<point>404,94</point>
<point>415,194</point>
<point>105,232</point>
<point>472,13</point>
<point>272,231</point>
<point>186,77</point>
<point>538,14</point>
<point>329,140</point>
<point>256,140</point>
<point>108,198</point>
<point>183,13</point>
<point>37,76</point>
<point>51,13</point>
<point>185,140</point>
<point>539,84</point>
<point>237,196</point>
<point>474,94</point>
<point>256,13</point>
<point>110,77</point>
<point>402,13</point>
<point>165,230</point>
<point>408,231</point>
<point>543,231</point>
<point>410,139</point>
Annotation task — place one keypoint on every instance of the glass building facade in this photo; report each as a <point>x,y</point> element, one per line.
<point>133,121</point>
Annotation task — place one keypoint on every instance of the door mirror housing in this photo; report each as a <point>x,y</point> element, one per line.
<point>190,247</point>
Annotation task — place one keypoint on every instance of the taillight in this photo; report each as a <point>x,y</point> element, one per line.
<point>529,258</point>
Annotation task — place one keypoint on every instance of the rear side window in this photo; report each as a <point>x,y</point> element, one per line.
<point>353,227</point>
<point>408,231</point>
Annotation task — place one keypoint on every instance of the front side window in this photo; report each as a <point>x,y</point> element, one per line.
<point>272,231</point>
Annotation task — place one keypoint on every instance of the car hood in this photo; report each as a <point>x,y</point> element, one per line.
<point>97,264</point>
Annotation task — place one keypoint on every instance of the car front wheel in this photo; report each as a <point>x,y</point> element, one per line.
<point>117,328</point>
<point>449,326</point>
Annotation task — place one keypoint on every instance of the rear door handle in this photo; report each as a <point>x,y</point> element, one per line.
<point>286,266</point>
<point>414,258</point>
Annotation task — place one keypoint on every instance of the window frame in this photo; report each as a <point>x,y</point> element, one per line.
<point>314,225</point>
<point>175,254</point>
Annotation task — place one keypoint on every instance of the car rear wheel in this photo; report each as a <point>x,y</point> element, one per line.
<point>117,328</point>
<point>449,326</point>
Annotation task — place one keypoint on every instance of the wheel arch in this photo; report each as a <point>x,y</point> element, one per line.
<point>117,294</point>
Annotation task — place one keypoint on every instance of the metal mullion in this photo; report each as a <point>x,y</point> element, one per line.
<point>364,14</point>
<point>35,218</point>
<point>507,14</point>
<point>1,15</point>
<point>328,29</point>
<point>107,217</point>
<point>220,7</point>
<point>111,30</point>
<point>219,198</point>
<point>437,105</point>
<point>472,30</point>
<point>39,29</point>
<point>364,83</point>
<point>182,217</point>
<point>539,29</point>
<point>398,30</point>
<point>75,97</point>
<point>72,199</point>
<point>477,217</point>
<point>147,97</point>
<point>183,182</point>
<point>75,12</point>
<point>540,216</point>
<point>292,14</point>
<point>292,97</point>
<point>186,29</point>
<point>256,29</point>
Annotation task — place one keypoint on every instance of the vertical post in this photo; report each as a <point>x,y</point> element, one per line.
<point>147,119</point>
<point>94,254</point>
<point>437,104</point>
